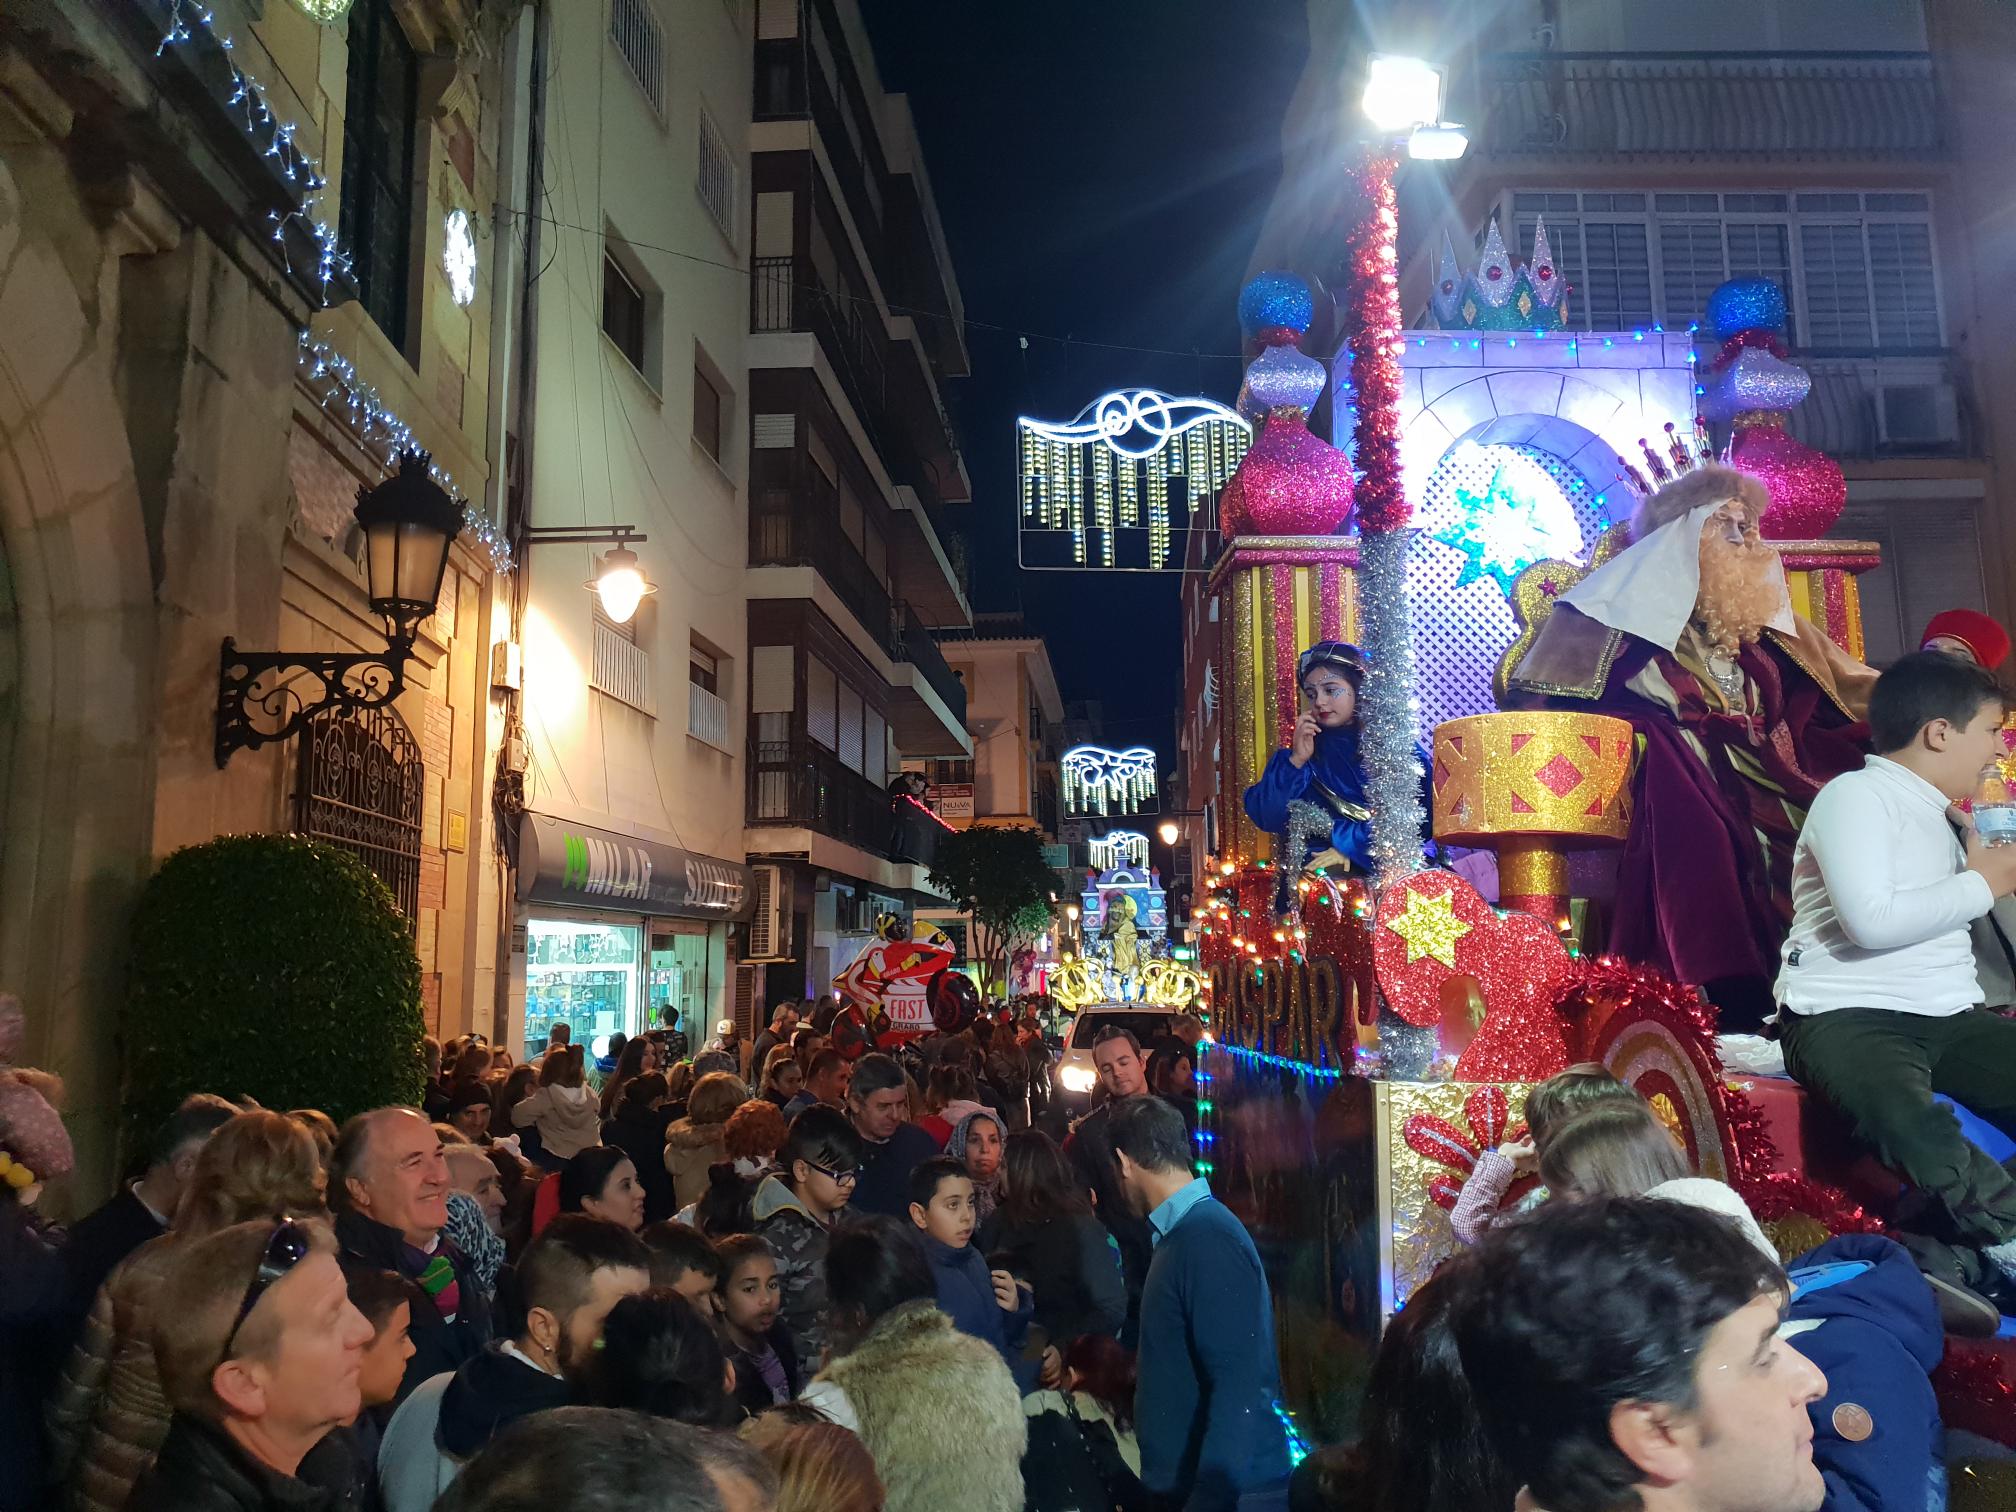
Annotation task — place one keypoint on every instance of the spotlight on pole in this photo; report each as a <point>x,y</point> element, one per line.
<point>1401,93</point>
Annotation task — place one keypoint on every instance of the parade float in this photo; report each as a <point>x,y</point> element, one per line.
<point>903,986</point>
<point>1377,1027</point>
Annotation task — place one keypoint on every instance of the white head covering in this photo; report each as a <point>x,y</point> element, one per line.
<point>1720,1198</point>
<point>1648,589</point>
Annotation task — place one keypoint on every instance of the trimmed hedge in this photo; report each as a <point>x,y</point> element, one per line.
<point>273,967</point>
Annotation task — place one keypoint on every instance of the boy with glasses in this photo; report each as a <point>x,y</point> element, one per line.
<point>259,1348</point>
<point>795,1209</point>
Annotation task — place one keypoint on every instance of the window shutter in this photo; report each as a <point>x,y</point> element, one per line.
<point>1617,276</point>
<point>1837,285</point>
<point>770,680</point>
<point>821,698</point>
<point>849,746</point>
<point>1690,266</point>
<point>1907,300</point>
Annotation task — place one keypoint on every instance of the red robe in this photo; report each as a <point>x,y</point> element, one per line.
<point>1719,791</point>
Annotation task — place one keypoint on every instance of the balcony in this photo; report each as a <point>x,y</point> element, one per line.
<point>786,297</point>
<point>799,784</point>
<point>790,530</point>
<point>1870,405</point>
<point>910,642</point>
<point>1727,105</point>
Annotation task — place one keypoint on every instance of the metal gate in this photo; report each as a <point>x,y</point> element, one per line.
<point>361,786</point>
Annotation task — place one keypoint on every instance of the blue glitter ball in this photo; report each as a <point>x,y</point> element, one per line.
<point>1275,299</point>
<point>1746,304</point>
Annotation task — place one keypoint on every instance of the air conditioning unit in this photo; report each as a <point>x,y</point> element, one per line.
<point>770,924</point>
<point>1918,414</point>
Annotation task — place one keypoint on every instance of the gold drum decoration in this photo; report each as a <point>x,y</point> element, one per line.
<point>1532,784</point>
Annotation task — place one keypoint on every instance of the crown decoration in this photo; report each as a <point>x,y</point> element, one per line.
<point>1498,296</point>
<point>1682,454</point>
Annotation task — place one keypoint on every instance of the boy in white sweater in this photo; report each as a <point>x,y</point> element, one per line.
<point>1881,1003</point>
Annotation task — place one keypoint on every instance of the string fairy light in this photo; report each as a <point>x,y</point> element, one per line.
<point>189,22</point>
<point>340,390</point>
<point>1102,471</point>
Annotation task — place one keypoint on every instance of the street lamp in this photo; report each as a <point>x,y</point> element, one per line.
<point>620,583</point>
<point>1170,831</point>
<point>409,523</point>
<point>1402,104</point>
<point>1071,912</point>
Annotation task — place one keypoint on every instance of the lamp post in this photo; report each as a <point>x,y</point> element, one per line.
<point>619,580</point>
<point>1402,105</point>
<point>409,523</point>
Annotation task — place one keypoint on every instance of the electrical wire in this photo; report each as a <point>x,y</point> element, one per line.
<point>966,323</point>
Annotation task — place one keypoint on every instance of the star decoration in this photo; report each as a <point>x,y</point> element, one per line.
<point>1503,530</point>
<point>1430,928</point>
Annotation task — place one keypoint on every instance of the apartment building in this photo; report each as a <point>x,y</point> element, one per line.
<point>1859,156</point>
<point>631,877</point>
<point>854,328</point>
<point>1015,716</point>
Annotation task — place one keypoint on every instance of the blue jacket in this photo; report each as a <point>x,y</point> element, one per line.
<point>1878,1339</point>
<point>1208,1375</point>
<point>966,1296</point>
<point>1337,767</point>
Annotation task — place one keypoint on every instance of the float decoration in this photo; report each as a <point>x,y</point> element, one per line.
<point>1751,384</point>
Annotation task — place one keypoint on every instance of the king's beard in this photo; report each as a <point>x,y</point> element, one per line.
<point>1739,593</point>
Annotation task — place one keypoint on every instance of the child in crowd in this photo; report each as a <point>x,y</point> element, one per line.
<point>386,1300</point>
<point>759,1345</point>
<point>989,1305</point>
<point>685,1261</point>
<point>795,1210</point>
<point>1548,1106</point>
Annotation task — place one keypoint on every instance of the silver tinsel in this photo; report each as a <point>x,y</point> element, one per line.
<point>1389,713</point>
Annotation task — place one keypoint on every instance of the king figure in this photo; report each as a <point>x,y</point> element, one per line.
<point>1742,710</point>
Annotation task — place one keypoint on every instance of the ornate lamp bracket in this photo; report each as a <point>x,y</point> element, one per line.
<point>263,696</point>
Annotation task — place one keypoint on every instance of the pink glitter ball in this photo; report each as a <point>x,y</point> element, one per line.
<point>1291,483</point>
<point>1806,487</point>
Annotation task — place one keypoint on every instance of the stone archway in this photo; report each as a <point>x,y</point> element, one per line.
<point>77,637</point>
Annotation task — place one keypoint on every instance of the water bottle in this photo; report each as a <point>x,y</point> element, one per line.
<point>1994,810</point>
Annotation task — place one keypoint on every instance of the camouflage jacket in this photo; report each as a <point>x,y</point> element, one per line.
<point>799,1242</point>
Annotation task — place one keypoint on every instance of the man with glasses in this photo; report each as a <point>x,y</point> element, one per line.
<point>795,1209</point>
<point>878,1102</point>
<point>259,1349</point>
<point>388,1186</point>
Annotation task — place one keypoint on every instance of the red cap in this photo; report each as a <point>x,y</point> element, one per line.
<point>1981,635</point>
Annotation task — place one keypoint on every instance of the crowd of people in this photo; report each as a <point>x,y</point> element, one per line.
<point>825,1278</point>
<point>772,1274</point>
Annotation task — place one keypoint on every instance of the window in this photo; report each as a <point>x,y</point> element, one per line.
<point>850,728</point>
<point>623,310</point>
<point>822,692</point>
<point>706,709</point>
<point>716,181</point>
<point>635,31</point>
<point>380,117</point>
<point>706,413</point>
<point>1857,268</point>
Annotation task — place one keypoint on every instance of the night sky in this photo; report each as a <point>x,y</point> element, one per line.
<point>1102,168</point>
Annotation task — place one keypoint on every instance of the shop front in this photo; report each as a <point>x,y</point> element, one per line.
<point>619,928</point>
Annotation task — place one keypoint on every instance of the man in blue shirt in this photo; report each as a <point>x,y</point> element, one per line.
<point>1210,1438</point>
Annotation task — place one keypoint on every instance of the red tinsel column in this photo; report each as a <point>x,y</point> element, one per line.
<point>1372,329</point>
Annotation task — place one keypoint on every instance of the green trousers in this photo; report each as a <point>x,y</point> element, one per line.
<point>1880,1068</point>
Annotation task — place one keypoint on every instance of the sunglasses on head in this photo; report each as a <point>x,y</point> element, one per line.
<point>286,1247</point>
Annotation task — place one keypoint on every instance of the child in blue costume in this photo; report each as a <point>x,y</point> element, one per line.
<point>1320,763</point>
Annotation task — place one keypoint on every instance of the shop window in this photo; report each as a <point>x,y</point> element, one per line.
<point>380,120</point>
<point>679,978</point>
<point>583,973</point>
